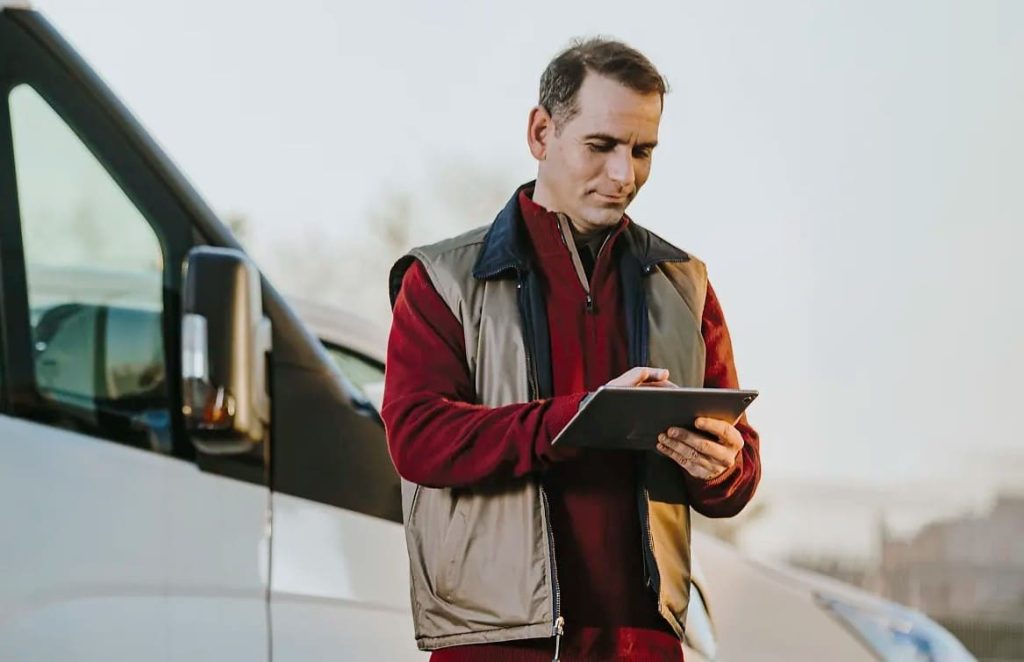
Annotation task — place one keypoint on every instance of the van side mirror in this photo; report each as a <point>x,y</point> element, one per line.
<point>225,340</point>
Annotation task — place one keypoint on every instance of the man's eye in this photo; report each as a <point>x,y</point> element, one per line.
<point>642,153</point>
<point>601,147</point>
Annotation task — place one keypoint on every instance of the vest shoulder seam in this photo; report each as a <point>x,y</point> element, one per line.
<point>474,237</point>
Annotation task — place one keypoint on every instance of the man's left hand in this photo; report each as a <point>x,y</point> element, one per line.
<point>705,454</point>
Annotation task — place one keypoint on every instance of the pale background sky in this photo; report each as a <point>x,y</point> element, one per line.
<point>851,173</point>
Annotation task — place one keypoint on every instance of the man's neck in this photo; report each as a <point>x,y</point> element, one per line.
<point>543,197</point>
<point>592,238</point>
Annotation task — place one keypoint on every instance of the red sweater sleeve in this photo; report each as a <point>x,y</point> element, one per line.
<point>725,495</point>
<point>437,434</point>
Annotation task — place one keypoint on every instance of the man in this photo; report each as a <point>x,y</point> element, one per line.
<point>520,550</point>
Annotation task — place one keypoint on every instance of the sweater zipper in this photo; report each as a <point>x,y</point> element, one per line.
<point>574,258</point>
<point>648,540</point>
<point>558,622</point>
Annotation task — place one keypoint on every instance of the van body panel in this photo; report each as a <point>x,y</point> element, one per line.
<point>120,553</point>
<point>332,567</point>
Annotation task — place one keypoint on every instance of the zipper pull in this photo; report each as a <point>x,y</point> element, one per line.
<point>590,303</point>
<point>559,631</point>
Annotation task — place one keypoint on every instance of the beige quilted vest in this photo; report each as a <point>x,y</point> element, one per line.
<point>482,559</point>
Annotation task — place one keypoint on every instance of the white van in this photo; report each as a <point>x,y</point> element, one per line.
<point>265,522</point>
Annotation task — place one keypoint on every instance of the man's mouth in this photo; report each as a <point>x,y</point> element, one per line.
<point>613,199</point>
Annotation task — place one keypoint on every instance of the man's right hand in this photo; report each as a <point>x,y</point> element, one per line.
<point>643,376</point>
<point>640,376</point>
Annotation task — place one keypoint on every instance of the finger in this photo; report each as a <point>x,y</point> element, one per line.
<point>689,453</point>
<point>713,425</point>
<point>661,384</point>
<point>701,473</point>
<point>699,467</point>
<point>725,432</point>
<point>639,375</point>
<point>696,467</point>
<point>628,378</point>
<point>653,375</point>
<point>689,442</point>
<point>698,440</point>
<point>711,448</point>
<point>682,455</point>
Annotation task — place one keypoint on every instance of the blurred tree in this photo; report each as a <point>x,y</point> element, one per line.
<point>238,223</point>
<point>391,222</point>
<point>853,571</point>
<point>349,269</point>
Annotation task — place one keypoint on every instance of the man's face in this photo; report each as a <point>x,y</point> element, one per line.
<point>593,166</point>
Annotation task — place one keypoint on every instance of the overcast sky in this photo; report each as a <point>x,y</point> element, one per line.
<point>851,173</point>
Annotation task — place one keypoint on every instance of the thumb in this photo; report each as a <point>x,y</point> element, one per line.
<point>639,375</point>
<point>653,375</point>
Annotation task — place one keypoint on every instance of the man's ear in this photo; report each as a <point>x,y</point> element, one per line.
<point>540,127</point>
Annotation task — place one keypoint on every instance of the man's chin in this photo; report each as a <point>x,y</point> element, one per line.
<point>606,215</point>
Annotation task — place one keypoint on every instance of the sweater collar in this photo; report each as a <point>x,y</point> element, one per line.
<point>549,230</point>
<point>507,249</point>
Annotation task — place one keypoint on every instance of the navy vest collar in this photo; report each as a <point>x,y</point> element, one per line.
<point>506,247</point>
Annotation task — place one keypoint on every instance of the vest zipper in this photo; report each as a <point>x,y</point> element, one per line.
<point>643,496</point>
<point>558,623</point>
<point>558,628</point>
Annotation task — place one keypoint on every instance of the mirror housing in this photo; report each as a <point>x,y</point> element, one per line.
<point>225,340</point>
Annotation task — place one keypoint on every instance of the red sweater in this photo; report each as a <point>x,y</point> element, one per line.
<point>439,437</point>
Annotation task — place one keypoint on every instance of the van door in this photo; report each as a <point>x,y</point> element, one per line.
<point>117,544</point>
<point>340,580</point>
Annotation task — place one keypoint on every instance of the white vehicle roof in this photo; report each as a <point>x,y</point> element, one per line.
<point>796,579</point>
<point>338,326</point>
<point>805,580</point>
<point>756,609</point>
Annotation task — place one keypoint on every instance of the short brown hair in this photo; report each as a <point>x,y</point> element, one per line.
<point>564,75</point>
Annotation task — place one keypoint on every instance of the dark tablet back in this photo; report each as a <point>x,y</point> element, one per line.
<point>633,417</point>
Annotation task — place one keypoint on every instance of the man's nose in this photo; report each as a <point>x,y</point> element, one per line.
<point>620,168</point>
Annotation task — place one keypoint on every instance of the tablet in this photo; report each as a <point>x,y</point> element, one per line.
<point>632,417</point>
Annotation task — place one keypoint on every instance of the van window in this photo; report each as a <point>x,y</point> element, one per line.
<point>365,375</point>
<point>94,270</point>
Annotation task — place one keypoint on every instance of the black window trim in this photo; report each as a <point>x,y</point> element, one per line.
<point>353,353</point>
<point>166,199</point>
<point>34,54</point>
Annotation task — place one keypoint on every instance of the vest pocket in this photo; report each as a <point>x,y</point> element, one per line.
<point>479,560</point>
<point>451,554</point>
